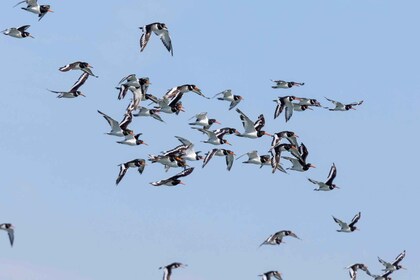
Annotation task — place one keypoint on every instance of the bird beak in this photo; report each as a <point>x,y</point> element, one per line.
<point>353,108</point>
<point>268,134</point>
<point>32,36</point>
<point>298,98</point>
<point>297,136</point>
<point>337,187</point>
<point>228,143</point>
<point>90,66</point>
<point>51,11</point>
<point>217,122</point>
<point>182,183</point>
<point>309,108</point>
<point>144,143</point>
<point>313,166</point>
<point>82,95</point>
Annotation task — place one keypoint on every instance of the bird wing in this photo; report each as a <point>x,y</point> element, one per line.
<point>356,103</point>
<point>336,103</point>
<point>183,140</point>
<point>399,258</point>
<point>166,39</point>
<point>11,233</point>
<point>279,108</point>
<point>384,263</point>
<point>82,79</point>
<point>303,151</point>
<point>20,3</point>
<point>260,123</point>
<point>68,67</point>
<point>128,117</point>
<point>183,173</point>
<point>227,94</point>
<point>23,28</point>
<point>209,156</point>
<point>145,37</point>
<point>113,123</point>
<point>355,219</point>
<point>313,181</point>
<point>234,103</point>
<point>32,3</point>
<point>246,122</point>
<point>129,78</point>
<point>289,111</point>
<point>339,222</point>
<point>123,170</point>
<point>229,160</point>
<point>331,175</point>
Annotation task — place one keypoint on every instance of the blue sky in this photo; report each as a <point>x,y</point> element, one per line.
<point>59,168</point>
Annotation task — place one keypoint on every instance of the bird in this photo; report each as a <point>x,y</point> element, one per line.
<point>74,91</point>
<point>328,185</point>
<point>167,270</point>
<point>269,274</point>
<point>343,107</point>
<point>34,7</point>
<point>161,30</point>
<point>252,130</point>
<point>353,269</point>
<point>254,158</point>
<point>285,103</point>
<point>168,160</point>
<point>228,96</point>
<point>174,180</point>
<point>301,108</point>
<point>348,227</point>
<point>395,264</point>
<point>309,102</point>
<point>288,135</point>
<point>284,84</point>
<point>215,137</point>
<point>189,153</point>
<point>299,162</point>
<point>202,120</point>
<point>131,139</point>
<point>384,276</point>
<point>180,90</point>
<point>78,65</point>
<point>276,153</point>
<point>10,231</point>
<point>228,154</point>
<point>118,129</point>
<point>146,112</point>
<point>277,238</point>
<point>18,32</point>
<point>168,106</point>
<point>136,163</point>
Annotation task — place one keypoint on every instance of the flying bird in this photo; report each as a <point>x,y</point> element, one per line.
<point>131,139</point>
<point>34,7</point>
<point>78,65</point>
<point>348,227</point>
<point>276,155</point>
<point>228,154</point>
<point>10,231</point>
<point>146,112</point>
<point>174,180</point>
<point>180,90</point>
<point>136,163</point>
<point>277,238</point>
<point>395,265</point>
<point>228,96</point>
<point>254,158</point>
<point>74,91</point>
<point>18,32</point>
<point>215,137</point>
<point>167,270</point>
<point>202,120</point>
<point>299,162</point>
<point>353,269</point>
<point>285,103</point>
<point>268,275</point>
<point>327,185</point>
<point>161,30</point>
<point>343,107</point>
<point>384,276</point>
<point>118,129</point>
<point>288,135</point>
<point>309,102</point>
<point>252,130</point>
<point>284,84</point>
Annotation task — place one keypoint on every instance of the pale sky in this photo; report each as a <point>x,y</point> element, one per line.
<point>59,168</point>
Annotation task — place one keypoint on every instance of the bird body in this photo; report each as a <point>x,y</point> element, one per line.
<point>228,154</point>
<point>34,7</point>
<point>174,180</point>
<point>161,30</point>
<point>395,264</point>
<point>74,91</point>
<point>136,163</point>
<point>284,84</point>
<point>348,227</point>
<point>227,95</point>
<point>18,32</point>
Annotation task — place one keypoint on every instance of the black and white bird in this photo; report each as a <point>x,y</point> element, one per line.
<point>168,106</point>
<point>136,163</point>
<point>255,158</point>
<point>174,180</point>
<point>168,161</point>
<point>118,129</point>
<point>301,108</point>
<point>74,91</point>
<point>252,130</point>
<point>189,153</point>
<point>395,265</point>
<point>288,135</point>
<point>78,65</point>
<point>19,32</point>
<point>215,137</point>
<point>353,269</point>
<point>167,270</point>
<point>309,102</point>
<point>276,155</point>
<point>299,161</point>
<point>202,120</point>
<point>180,90</point>
<point>285,103</point>
<point>348,227</point>
<point>343,107</point>
<point>34,7</point>
<point>327,185</point>
<point>277,238</point>
<point>146,112</point>
<point>284,84</point>
<point>228,154</point>
<point>10,231</point>
<point>132,139</point>
<point>161,30</point>
<point>268,275</point>
<point>229,96</point>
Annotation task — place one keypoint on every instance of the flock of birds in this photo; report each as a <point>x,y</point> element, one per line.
<point>177,157</point>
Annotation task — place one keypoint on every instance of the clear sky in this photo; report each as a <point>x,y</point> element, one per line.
<point>59,168</point>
